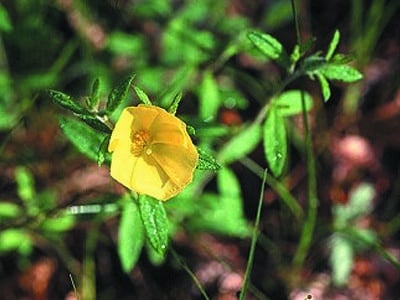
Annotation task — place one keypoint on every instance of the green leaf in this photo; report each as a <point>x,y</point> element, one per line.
<point>142,96</point>
<point>9,210</point>
<point>14,239</point>
<point>333,45</point>
<point>359,204</point>
<point>118,94</point>
<point>270,47</point>
<point>25,185</point>
<point>103,155</point>
<point>223,213</point>
<point>289,103</point>
<point>5,23</point>
<point>275,142</point>
<point>326,90</point>
<point>94,122</point>
<point>341,259</point>
<point>312,63</point>
<point>209,97</point>
<point>94,98</point>
<point>173,107</point>
<point>131,235</point>
<point>67,102</point>
<point>84,138</point>
<point>60,224</point>
<point>207,161</point>
<point>155,222</point>
<point>340,72</point>
<point>240,145</point>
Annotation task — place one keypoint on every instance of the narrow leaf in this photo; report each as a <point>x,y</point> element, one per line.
<point>289,103</point>
<point>67,102</point>
<point>94,122</point>
<point>207,161</point>
<point>84,138</point>
<point>333,45</point>
<point>118,94</point>
<point>270,47</point>
<point>142,96</point>
<point>103,154</point>
<point>275,142</point>
<point>339,72</point>
<point>94,98</point>
<point>341,259</point>
<point>175,103</point>
<point>131,236</point>
<point>240,145</point>
<point>209,97</point>
<point>155,222</point>
<point>325,89</point>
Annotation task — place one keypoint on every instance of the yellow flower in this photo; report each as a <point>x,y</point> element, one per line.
<point>152,152</point>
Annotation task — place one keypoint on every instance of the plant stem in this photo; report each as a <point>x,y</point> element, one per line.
<point>253,240</point>
<point>309,224</point>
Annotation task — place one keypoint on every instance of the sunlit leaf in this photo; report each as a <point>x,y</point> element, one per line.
<point>207,161</point>
<point>270,47</point>
<point>84,138</point>
<point>142,96</point>
<point>340,72</point>
<point>290,102</point>
<point>341,259</point>
<point>209,97</point>
<point>131,235</point>
<point>14,239</point>
<point>333,45</point>
<point>25,185</point>
<point>275,141</point>
<point>325,89</point>
<point>155,222</point>
<point>67,102</point>
<point>240,145</point>
<point>9,210</point>
<point>118,94</point>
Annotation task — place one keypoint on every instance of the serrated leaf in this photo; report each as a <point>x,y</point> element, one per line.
<point>67,102</point>
<point>118,94</point>
<point>103,154</point>
<point>333,45</point>
<point>325,89</point>
<point>207,161</point>
<point>94,98</point>
<point>209,97</point>
<point>142,96</point>
<point>131,235</point>
<point>290,102</point>
<point>155,222</point>
<point>175,103</point>
<point>341,259</point>
<point>270,47</point>
<point>340,72</point>
<point>275,141</point>
<point>84,138</point>
<point>94,122</point>
<point>240,145</point>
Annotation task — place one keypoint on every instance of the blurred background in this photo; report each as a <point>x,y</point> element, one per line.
<point>170,44</point>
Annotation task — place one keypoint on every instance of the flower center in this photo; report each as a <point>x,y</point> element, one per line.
<point>140,141</point>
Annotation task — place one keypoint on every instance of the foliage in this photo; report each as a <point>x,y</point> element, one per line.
<point>252,99</point>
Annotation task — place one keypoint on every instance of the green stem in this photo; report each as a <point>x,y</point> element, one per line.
<point>309,224</point>
<point>253,240</point>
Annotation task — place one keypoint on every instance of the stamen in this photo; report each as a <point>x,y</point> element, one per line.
<point>140,141</point>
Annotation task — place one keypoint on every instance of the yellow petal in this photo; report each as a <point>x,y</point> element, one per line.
<point>178,163</point>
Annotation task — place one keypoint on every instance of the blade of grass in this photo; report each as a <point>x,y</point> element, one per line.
<point>191,274</point>
<point>253,240</point>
